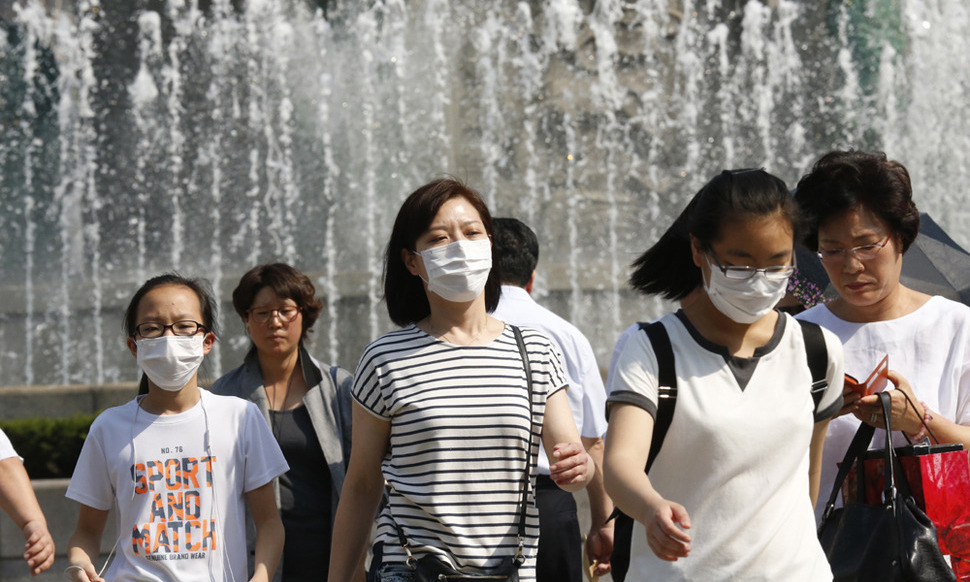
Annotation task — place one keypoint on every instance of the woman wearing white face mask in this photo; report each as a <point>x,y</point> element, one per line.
<point>729,495</point>
<point>445,411</point>
<point>178,464</point>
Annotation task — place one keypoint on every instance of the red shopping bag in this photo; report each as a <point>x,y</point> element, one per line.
<point>939,477</point>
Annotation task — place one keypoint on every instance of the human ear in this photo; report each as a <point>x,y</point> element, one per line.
<point>411,261</point>
<point>208,341</point>
<point>697,252</point>
<point>132,346</point>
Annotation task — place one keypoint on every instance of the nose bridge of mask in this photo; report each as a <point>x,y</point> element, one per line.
<point>453,257</point>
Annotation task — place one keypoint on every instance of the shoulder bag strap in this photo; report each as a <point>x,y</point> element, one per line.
<point>818,357</point>
<point>520,553</point>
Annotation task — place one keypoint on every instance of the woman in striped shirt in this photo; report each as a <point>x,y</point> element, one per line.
<point>442,409</point>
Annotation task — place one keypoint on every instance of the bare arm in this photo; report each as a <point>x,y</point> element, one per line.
<point>270,534</point>
<point>599,541</point>
<point>18,500</point>
<point>815,459</point>
<point>627,447</point>
<point>570,467</point>
<point>360,496</point>
<point>85,544</point>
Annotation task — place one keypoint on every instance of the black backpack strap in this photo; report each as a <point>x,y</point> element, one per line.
<point>666,400</point>
<point>666,386</point>
<point>818,358</point>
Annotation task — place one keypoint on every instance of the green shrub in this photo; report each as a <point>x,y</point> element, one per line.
<point>49,446</point>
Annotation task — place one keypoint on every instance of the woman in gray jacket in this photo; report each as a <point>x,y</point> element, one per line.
<point>305,403</point>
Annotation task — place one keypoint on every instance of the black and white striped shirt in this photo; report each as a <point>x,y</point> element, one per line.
<point>459,435</point>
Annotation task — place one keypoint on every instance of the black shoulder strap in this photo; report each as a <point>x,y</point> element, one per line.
<point>666,385</point>
<point>818,357</point>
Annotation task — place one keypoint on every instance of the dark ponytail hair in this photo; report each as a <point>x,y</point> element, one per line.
<point>667,268</point>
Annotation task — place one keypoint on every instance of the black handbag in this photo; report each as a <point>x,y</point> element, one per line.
<point>430,569</point>
<point>891,542</point>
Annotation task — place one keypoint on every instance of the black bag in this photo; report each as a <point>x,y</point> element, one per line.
<point>430,569</point>
<point>891,542</point>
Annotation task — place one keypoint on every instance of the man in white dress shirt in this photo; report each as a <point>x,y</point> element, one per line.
<point>560,543</point>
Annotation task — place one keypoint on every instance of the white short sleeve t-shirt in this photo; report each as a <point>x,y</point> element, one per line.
<point>587,395</point>
<point>181,504</point>
<point>736,455</point>
<point>930,347</point>
<point>460,439</point>
<point>6,449</point>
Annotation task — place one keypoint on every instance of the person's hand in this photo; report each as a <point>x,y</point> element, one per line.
<point>665,531</point>
<point>850,399</point>
<point>571,464</point>
<point>599,548</point>
<point>39,549</point>
<point>83,573</point>
<point>904,418</point>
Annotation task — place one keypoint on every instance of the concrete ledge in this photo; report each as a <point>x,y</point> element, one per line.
<point>61,514</point>
<point>17,402</point>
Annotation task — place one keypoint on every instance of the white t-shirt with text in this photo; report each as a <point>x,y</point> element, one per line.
<point>181,503</point>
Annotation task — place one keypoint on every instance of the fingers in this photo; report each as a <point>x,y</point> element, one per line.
<point>664,534</point>
<point>84,573</point>
<point>39,548</point>
<point>571,463</point>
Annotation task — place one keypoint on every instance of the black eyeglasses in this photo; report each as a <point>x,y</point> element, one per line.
<point>743,273</point>
<point>286,314</point>
<point>153,329</point>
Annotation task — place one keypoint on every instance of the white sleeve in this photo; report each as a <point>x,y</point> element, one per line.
<point>91,481</point>
<point>264,459</point>
<point>634,379</point>
<point>831,401</point>
<point>6,449</point>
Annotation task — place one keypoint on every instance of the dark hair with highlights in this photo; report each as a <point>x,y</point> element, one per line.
<point>843,180</point>
<point>403,292</point>
<point>517,248</point>
<point>287,283</point>
<point>667,268</point>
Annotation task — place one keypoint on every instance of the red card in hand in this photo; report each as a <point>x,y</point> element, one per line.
<point>876,382</point>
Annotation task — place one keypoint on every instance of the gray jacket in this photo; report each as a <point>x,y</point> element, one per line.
<point>329,406</point>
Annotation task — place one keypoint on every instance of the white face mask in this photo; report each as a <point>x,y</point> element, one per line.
<point>744,300</point>
<point>170,361</point>
<point>458,271</point>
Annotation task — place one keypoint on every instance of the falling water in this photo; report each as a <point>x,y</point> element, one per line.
<point>211,135</point>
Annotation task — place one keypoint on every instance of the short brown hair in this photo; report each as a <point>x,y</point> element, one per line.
<point>286,282</point>
<point>403,292</point>
<point>842,180</point>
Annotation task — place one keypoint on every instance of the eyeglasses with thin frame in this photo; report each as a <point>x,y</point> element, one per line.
<point>861,252</point>
<point>286,314</point>
<point>743,273</point>
<point>153,329</point>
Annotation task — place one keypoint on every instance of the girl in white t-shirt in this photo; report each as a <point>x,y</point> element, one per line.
<point>730,494</point>
<point>862,220</point>
<point>178,464</point>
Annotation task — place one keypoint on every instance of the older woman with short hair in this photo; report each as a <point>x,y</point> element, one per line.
<point>305,402</point>
<point>862,219</point>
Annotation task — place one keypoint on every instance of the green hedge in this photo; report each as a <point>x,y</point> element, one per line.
<point>49,446</point>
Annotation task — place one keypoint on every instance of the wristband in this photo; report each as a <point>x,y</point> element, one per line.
<point>927,417</point>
